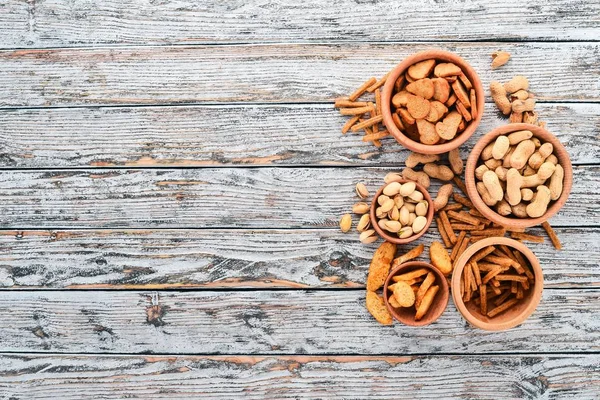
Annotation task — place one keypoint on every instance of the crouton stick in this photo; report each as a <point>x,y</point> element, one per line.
<point>462,200</point>
<point>424,288</point>
<point>528,237</point>
<point>497,291</point>
<point>363,88</point>
<point>378,84</point>
<point>443,233</point>
<point>459,240</point>
<point>463,247</point>
<point>411,275</point>
<point>476,272</point>
<point>472,279</point>
<point>340,103</point>
<point>514,278</point>
<point>460,184</point>
<point>467,227</point>
<point>367,123</point>
<point>503,261</point>
<point>413,253</point>
<point>502,298</point>
<point>524,264</point>
<point>474,212</point>
<point>488,232</point>
<point>377,102</point>
<point>375,136</point>
<point>373,115</point>
<point>426,302</point>
<point>482,253</point>
<point>377,143</point>
<point>453,207</point>
<point>355,110</point>
<point>519,292</point>
<point>502,308</point>
<point>487,267</point>
<point>448,227</point>
<point>513,287</point>
<point>349,123</point>
<point>488,277</point>
<point>483,299</point>
<point>552,235</point>
<point>463,217</point>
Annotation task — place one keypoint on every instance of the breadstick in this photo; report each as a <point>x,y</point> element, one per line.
<point>463,217</point>
<point>423,288</point>
<point>340,103</point>
<point>459,240</point>
<point>448,227</point>
<point>426,302</point>
<point>367,123</point>
<point>413,253</point>
<point>379,83</point>
<point>411,275</point>
<point>460,184</point>
<point>363,88</point>
<point>467,227</point>
<point>462,200</point>
<point>453,207</point>
<point>443,233</point>
<point>355,110</point>
<point>552,235</point>
<point>527,237</point>
<point>349,123</point>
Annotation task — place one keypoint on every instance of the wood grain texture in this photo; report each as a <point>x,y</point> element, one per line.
<point>221,197</point>
<point>273,322</point>
<point>66,377</point>
<point>234,135</point>
<point>267,73</point>
<point>311,258</point>
<point>57,23</point>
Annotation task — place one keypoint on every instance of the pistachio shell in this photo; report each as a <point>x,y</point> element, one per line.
<point>421,208</point>
<point>382,199</point>
<point>407,188</point>
<point>418,224</point>
<point>405,232</point>
<point>392,189</point>
<point>364,223</point>
<point>368,236</point>
<point>360,208</point>
<point>346,223</point>
<point>362,191</point>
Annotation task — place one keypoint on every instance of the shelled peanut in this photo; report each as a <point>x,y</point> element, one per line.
<point>433,102</point>
<point>402,209</point>
<point>514,99</point>
<point>519,175</point>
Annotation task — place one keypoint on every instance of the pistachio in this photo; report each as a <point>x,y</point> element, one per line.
<point>392,177</point>
<point>368,236</point>
<point>392,189</point>
<point>346,223</point>
<point>364,223</point>
<point>404,215</point>
<point>410,207</point>
<point>392,226</point>
<point>361,190</point>
<point>360,208</point>
<point>387,205</point>
<point>407,188</point>
<point>379,213</point>
<point>416,196</point>
<point>394,214</point>
<point>382,199</point>
<point>418,224</point>
<point>399,201</point>
<point>421,208</point>
<point>411,218</point>
<point>405,232</point>
<point>382,223</point>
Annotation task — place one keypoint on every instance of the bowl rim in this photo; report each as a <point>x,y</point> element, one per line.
<point>397,240</point>
<point>559,151</point>
<point>388,88</point>
<point>537,289</point>
<point>439,276</point>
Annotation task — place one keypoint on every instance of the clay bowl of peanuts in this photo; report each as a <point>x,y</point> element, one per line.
<point>497,283</point>
<point>401,211</point>
<point>416,293</point>
<point>432,102</point>
<point>518,175</point>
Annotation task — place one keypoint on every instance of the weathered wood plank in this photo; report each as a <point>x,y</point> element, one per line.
<point>220,197</point>
<point>310,258</point>
<point>57,23</point>
<point>30,376</point>
<point>266,73</point>
<point>233,135</point>
<point>278,322</point>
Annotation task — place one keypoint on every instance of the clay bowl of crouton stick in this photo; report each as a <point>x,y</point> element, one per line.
<point>410,136</point>
<point>521,308</point>
<point>436,304</point>
<point>492,212</point>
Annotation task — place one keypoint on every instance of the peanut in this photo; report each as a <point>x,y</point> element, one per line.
<point>442,197</point>
<point>479,171</point>
<point>552,158</point>
<point>440,172</point>
<point>556,182</point>
<point>456,163</point>
<point>524,150</point>
<point>538,158</point>
<point>500,147</point>
<point>492,164</point>
<point>487,152</point>
<point>492,184</point>
<point>516,83</point>
<point>420,177</point>
<point>415,159</point>
<point>501,172</point>
<point>546,170</point>
<point>520,106</point>
<point>519,210</point>
<point>520,95</point>
<point>539,205</point>
<point>514,181</point>
<point>506,161</point>
<point>485,195</point>
<point>499,95</point>
<point>537,142</point>
<point>515,117</point>
<point>528,171</point>
<point>518,136</point>
<point>503,208</point>
<point>526,194</point>
<point>532,181</point>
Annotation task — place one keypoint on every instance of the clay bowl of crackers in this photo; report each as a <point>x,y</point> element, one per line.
<point>401,211</point>
<point>432,102</point>
<point>497,283</point>
<point>518,175</point>
<point>416,293</point>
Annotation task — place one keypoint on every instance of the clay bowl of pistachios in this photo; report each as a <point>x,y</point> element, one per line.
<point>401,211</point>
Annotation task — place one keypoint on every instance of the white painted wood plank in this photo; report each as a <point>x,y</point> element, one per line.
<point>234,135</point>
<point>58,23</point>
<point>274,322</point>
<point>222,197</point>
<point>310,258</point>
<point>267,73</point>
<point>29,376</point>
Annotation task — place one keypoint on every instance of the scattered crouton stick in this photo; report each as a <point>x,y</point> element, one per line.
<point>452,207</point>
<point>467,227</point>
<point>349,123</point>
<point>443,233</point>
<point>378,102</point>
<point>375,136</point>
<point>475,212</point>
<point>363,88</point>
<point>373,115</point>
<point>463,217</point>
<point>459,240</point>
<point>528,237</point>
<point>448,227</point>
<point>378,83</point>
<point>518,230</point>
<point>552,235</point>
<point>462,200</point>
<point>489,232</point>
<point>463,247</point>
<point>460,184</point>
<point>343,102</point>
<point>367,123</point>
<point>355,110</point>
<point>376,143</point>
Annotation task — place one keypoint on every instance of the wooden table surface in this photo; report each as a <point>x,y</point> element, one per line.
<point>172,175</point>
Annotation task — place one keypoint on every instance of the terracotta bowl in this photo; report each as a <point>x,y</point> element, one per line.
<point>519,312</point>
<point>384,234</point>
<point>407,315</point>
<point>514,222</point>
<point>386,100</point>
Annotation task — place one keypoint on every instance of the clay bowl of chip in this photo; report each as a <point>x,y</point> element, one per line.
<point>511,221</point>
<point>408,135</point>
<point>395,237</point>
<point>439,301</point>
<point>517,313</point>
